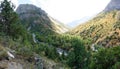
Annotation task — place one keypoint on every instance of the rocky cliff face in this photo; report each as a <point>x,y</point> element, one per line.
<point>37,20</point>
<point>26,8</point>
<point>29,10</point>
<point>113,5</point>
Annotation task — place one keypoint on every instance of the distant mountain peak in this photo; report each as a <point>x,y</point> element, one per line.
<point>113,5</point>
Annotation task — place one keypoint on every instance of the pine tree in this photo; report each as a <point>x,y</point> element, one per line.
<point>9,20</point>
<point>7,14</point>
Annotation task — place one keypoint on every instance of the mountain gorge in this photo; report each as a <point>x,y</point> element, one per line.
<point>104,29</point>
<point>31,39</point>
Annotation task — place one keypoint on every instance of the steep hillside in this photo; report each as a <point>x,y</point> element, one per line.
<point>113,5</point>
<point>37,20</point>
<point>58,26</point>
<point>104,29</point>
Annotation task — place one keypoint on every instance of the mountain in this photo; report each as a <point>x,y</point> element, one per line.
<point>37,47</point>
<point>113,5</point>
<point>75,23</point>
<point>104,29</point>
<point>37,20</point>
<point>58,26</point>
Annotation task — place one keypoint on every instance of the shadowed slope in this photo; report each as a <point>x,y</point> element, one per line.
<point>37,20</point>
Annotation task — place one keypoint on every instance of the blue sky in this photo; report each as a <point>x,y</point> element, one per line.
<point>24,1</point>
<point>67,11</point>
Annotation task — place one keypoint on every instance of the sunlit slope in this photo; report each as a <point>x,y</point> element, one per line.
<point>58,26</point>
<point>104,29</point>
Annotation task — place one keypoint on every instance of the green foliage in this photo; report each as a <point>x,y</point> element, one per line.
<point>105,58</point>
<point>51,52</point>
<point>62,41</point>
<point>46,50</point>
<point>77,58</point>
<point>3,52</point>
<point>6,15</point>
<point>17,38</point>
<point>116,66</point>
<point>9,21</point>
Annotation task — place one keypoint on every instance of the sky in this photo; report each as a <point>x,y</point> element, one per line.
<point>67,11</point>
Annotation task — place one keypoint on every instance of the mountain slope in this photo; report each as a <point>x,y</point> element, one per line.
<point>75,23</point>
<point>113,5</point>
<point>37,20</point>
<point>104,29</point>
<point>58,26</point>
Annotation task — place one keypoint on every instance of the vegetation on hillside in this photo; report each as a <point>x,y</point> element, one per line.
<point>35,19</point>
<point>14,35</point>
<point>103,29</point>
<point>72,51</point>
<point>106,58</point>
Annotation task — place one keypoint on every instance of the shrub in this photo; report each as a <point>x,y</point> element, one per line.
<point>105,58</point>
<point>3,52</point>
<point>77,58</point>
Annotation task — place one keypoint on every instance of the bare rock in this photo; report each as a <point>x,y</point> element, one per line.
<point>113,5</point>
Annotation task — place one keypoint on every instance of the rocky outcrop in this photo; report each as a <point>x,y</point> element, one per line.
<point>29,10</point>
<point>113,5</point>
<point>26,8</point>
<point>10,65</point>
<point>16,64</point>
<point>37,20</point>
